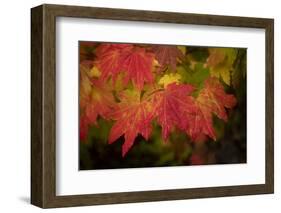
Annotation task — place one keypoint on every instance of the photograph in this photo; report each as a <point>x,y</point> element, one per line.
<point>140,105</point>
<point>155,105</point>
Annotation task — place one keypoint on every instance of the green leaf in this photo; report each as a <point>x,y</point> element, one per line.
<point>196,76</point>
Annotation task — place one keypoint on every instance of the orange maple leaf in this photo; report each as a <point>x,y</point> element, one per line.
<point>133,116</point>
<point>212,99</point>
<point>96,99</point>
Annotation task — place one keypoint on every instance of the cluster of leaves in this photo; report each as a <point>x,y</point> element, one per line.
<point>136,86</point>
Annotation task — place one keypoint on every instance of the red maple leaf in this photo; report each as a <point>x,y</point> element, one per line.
<point>133,116</point>
<point>173,107</point>
<point>96,99</point>
<point>212,99</point>
<point>167,55</point>
<point>109,59</point>
<point>138,65</point>
<point>135,62</point>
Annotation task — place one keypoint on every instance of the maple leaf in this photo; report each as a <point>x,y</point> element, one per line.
<point>100,100</point>
<point>96,99</point>
<point>220,62</point>
<point>135,62</point>
<point>109,59</point>
<point>138,65</point>
<point>167,55</point>
<point>173,106</point>
<point>201,124</point>
<point>133,116</point>
<point>212,99</point>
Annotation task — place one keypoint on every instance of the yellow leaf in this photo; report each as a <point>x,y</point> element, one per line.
<point>169,78</point>
<point>182,49</point>
<point>222,72</point>
<point>220,62</point>
<point>85,86</point>
<point>94,72</point>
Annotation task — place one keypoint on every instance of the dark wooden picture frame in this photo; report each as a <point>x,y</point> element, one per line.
<point>43,105</point>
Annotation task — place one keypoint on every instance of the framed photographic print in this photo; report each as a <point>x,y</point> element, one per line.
<point>136,106</point>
